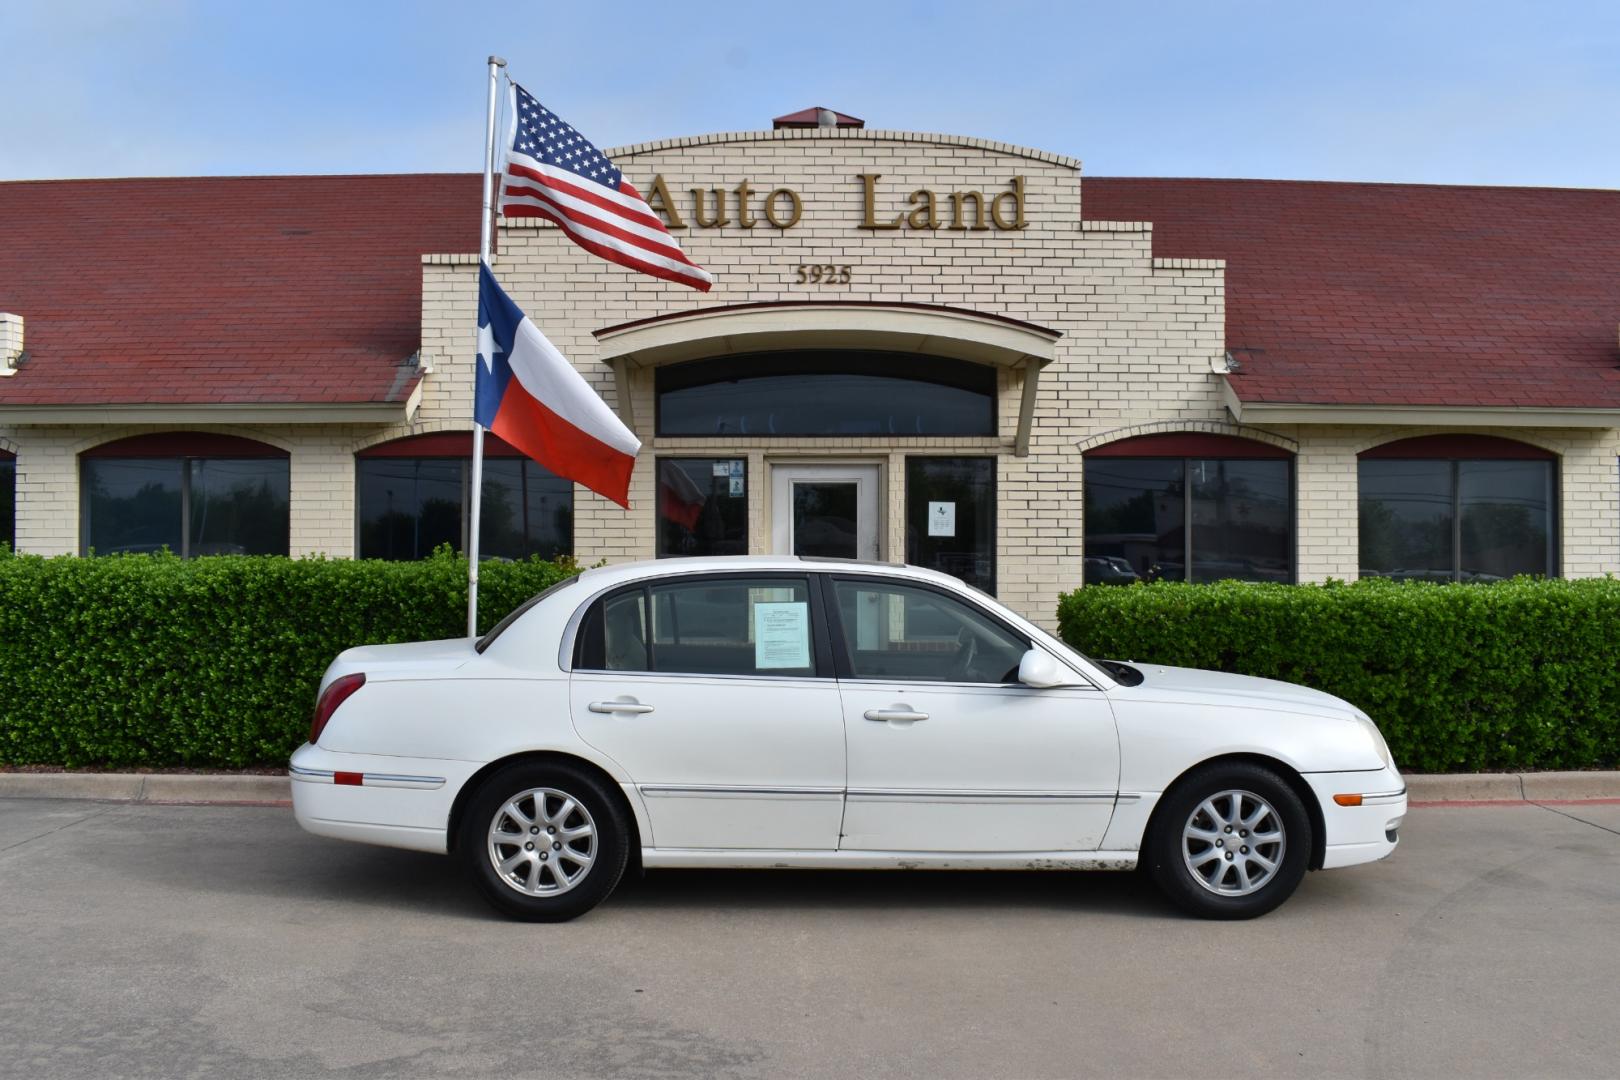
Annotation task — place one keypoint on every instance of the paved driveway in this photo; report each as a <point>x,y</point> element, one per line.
<point>223,941</point>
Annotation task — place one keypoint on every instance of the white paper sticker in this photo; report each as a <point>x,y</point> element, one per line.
<point>781,636</point>
<point>941,519</point>
<point>722,468</point>
<point>736,468</point>
<point>736,485</point>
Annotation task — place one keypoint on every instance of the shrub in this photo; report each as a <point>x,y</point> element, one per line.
<point>1520,674</point>
<point>154,660</point>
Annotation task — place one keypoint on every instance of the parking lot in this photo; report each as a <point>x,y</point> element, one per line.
<point>222,941</point>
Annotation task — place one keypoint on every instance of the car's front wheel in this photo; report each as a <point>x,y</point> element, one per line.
<point>545,842</point>
<point>1229,841</point>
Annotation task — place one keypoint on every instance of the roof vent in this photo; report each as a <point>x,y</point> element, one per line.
<point>11,342</point>
<point>818,117</point>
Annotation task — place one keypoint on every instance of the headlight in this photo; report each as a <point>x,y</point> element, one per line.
<point>1379,745</point>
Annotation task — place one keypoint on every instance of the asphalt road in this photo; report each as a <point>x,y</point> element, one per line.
<point>218,941</point>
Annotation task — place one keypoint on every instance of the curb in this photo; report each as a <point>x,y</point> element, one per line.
<point>148,787</point>
<point>1435,789</point>
<point>1442,788</point>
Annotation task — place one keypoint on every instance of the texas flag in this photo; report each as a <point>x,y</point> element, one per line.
<point>531,396</point>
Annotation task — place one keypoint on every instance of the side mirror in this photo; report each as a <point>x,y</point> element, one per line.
<point>1042,670</point>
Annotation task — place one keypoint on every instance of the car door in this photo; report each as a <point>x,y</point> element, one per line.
<point>946,750</point>
<point>715,693</point>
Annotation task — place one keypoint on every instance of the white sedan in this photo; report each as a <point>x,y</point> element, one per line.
<point>783,712</point>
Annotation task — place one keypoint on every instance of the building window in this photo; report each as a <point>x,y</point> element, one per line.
<point>1458,508</point>
<point>1188,508</point>
<point>8,500</point>
<point>412,497</point>
<point>192,494</point>
<point>826,393</point>
<point>951,517</point>
<point>702,506</point>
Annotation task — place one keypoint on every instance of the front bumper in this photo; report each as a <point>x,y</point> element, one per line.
<point>393,801</point>
<point>1367,831</point>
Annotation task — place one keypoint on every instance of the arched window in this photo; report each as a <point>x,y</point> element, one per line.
<point>412,497</point>
<point>8,499</point>
<point>1188,507</point>
<point>1458,508</point>
<point>194,494</point>
<point>833,392</point>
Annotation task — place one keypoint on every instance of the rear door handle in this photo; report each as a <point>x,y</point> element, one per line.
<point>881,715</point>
<point>619,707</point>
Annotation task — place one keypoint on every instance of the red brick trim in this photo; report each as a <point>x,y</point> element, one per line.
<point>169,444</point>
<point>1189,444</point>
<point>439,444</point>
<point>1467,447</point>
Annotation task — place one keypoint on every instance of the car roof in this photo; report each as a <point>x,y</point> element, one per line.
<point>714,564</point>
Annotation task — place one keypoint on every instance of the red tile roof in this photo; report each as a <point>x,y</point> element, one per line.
<point>308,289</point>
<point>301,289</point>
<point>811,117</point>
<point>1399,294</point>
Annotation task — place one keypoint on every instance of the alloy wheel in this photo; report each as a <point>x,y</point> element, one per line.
<point>542,842</point>
<point>1233,843</point>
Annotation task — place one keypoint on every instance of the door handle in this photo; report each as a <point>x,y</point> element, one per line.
<point>881,715</point>
<point>619,707</point>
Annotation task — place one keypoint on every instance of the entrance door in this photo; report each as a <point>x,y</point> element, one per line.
<point>825,510</point>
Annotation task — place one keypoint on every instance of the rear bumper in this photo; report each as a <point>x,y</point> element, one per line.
<point>393,801</point>
<point>1361,833</point>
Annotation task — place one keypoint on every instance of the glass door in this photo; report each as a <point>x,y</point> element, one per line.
<point>826,511</point>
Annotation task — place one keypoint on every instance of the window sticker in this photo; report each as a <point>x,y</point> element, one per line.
<point>781,636</point>
<point>721,468</point>
<point>942,519</point>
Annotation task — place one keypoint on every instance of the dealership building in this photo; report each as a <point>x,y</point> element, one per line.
<point>925,348</point>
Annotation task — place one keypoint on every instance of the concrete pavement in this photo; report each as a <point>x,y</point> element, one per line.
<point>144,940</point>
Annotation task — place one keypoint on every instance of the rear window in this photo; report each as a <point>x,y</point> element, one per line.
<point>522,609</point>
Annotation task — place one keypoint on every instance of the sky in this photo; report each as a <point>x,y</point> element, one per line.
<point>1442,92</point>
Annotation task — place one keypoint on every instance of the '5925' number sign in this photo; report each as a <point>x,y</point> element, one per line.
<point>823,274</point>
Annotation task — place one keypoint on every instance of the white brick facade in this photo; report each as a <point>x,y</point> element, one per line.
<point>1140,337</point>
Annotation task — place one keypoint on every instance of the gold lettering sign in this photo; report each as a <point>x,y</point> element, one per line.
<point>794,202</point>
<point>971,210</point>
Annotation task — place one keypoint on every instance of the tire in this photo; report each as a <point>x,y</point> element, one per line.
<point>1211,872</point>
<point>588,841</point>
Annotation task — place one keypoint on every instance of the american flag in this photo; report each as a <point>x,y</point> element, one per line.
<point>553,172</point>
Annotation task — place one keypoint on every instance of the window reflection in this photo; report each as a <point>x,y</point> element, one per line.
<point>8,501</point>
<point>827,393</point>
<point>1143,515</point>
<point>962,541</point>
<point>1454,520</point>
<point>702,506</point>
<point>190,506</point>
<point>410,506</point>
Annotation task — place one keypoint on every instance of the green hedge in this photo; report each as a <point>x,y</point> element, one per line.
<point>1520,674</point>
<point>155,660</point>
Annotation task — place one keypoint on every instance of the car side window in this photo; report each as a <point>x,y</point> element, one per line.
<point>624,632</point>
<point>734,626</point>
<point>907,634</point>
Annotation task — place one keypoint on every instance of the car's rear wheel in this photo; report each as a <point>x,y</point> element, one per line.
<point>545,842</point>
<point>1229,841</point>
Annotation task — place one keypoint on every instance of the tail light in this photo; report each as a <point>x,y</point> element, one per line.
<point>334,695</point>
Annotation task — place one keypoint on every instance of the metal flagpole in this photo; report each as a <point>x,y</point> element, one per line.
<point>485,231</point>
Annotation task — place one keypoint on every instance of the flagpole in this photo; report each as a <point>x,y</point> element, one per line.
<point>485,236</point>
